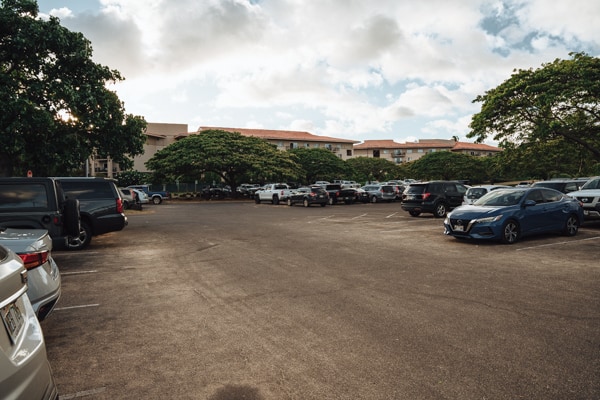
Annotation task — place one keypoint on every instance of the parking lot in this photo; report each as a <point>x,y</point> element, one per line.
<point>236,300</point>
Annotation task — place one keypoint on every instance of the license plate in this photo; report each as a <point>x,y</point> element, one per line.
<point>586,212</point>
<point>458,228</point>
<point>13,320</point>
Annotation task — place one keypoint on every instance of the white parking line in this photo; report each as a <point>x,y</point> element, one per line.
<point>83,393</point>
<point>359,216</point>
<point>391,215</point>
<point>559,243</point>
<point>78,272</point>
<point>72,307</point>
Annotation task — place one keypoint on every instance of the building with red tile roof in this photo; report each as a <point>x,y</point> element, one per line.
<point>405,152</point>
<point>285,140</point>
<point>160,135</point>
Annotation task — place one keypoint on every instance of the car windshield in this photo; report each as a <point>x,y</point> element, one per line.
<point>591,184</point>
<point>475,193</point>
<point>501,198</point>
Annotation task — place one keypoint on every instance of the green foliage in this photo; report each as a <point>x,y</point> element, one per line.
<point>127,178</point>
<point>447,165</point>
<point>556,104</point>
<point>232,157</point>
<point>363,169</point>
<point>319,164</point>
<point>56,109</point>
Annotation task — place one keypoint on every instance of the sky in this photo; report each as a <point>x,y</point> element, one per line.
<point>353,69</point>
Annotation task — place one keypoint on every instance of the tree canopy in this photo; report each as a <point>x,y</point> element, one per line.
<point>364,169</point>
<point>56,108</point>
<point>447,165</point>
<point>558,103</point>
<point>232,157</point>
<point>319,164</point>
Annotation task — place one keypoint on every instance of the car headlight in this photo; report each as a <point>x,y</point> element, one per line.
<point>488,219</point>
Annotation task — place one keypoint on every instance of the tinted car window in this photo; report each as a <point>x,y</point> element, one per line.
<point>551,195</point>
<point>87,190</point>
<point>415,189</point>
<point>23,196</point>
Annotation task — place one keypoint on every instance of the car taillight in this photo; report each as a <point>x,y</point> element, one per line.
<point>311,194</point>
<point>33,260</point>
<point>119,206</point>
<point>426,196</point>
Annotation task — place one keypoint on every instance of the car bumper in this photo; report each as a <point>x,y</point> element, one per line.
<point>44,288</point>
<point>478,231</point>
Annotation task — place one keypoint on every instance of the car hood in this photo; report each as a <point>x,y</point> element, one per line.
<point>25,240</point>
<point>472,211</point>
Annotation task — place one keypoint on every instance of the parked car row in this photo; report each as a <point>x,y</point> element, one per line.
<point>486,212</point>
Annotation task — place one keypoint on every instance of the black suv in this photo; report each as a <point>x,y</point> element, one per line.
<point>437,197</point>
<point>39,203</point>
<point>101,207</point>
<point>72,210</point>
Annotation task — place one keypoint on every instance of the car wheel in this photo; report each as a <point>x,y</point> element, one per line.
<point>82,240</point>
<point>323,204</point>
<point>257,199</point>
<point>374,199</point>
<point>289,202</point>
<point>275,200</point>
<point>414,213</point>
<point>305,203</point>
<point>156,200</point>
<point>126,205</point>
<point>510,232</point>
<point>571,226</point>
<point>440,210</point>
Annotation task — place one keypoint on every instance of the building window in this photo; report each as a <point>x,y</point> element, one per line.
<point>293,145</point>
<point>409,151</point>
<point>316,145</point>
<point>307,145</point>
<point>376,153</point>
<point>419,150</point>
<point>349,153</point>
<point>328,146</point>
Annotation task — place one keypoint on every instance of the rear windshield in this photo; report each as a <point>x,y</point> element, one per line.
<point>416,189</point>
<point>23,196</point>
<point>88,190</point>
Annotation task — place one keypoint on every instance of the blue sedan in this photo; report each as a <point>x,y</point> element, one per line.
<point>509,214</point>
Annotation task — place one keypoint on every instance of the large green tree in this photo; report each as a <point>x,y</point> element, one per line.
<point>363,169</point>
<point>232,157</point>
<point>558,103</point>
<point>319,164</point>
<point>56,107</point>
<point>447,165</point>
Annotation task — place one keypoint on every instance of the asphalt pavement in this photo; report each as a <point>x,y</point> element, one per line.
<point>235,300</point>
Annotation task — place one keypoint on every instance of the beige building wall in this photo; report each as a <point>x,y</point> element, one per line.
<point>158,136</point>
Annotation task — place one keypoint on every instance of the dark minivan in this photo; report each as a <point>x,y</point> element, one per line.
<point>437,197</point>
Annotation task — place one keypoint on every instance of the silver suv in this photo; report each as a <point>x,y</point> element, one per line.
<point>380,192</point>
<point>589,197</point>
<point>25,372</point>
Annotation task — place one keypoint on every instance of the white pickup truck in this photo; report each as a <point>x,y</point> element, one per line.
<point>273,192</point>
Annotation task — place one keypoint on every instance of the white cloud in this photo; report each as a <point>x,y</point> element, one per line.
<point>345,68</point>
